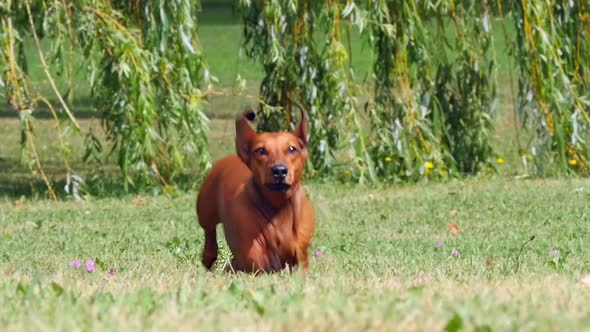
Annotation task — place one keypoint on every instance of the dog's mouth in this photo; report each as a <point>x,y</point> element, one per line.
<point>278,186</point>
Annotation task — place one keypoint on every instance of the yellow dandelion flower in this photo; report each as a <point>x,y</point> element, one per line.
<point>489,169</point>
<point>388,159</point>
<point>500,160</point>
<point>347,172</point>
<point>7,233</point>
<point>428,165</point>
<point>573,162</point>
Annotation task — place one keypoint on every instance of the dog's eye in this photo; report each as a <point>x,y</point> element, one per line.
<point>292,149</point>
<point>261,151</point>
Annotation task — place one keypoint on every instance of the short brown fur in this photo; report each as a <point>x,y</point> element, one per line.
<point>267,218</point>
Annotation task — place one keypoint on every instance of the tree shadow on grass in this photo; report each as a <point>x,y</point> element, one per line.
<point>16,182</point>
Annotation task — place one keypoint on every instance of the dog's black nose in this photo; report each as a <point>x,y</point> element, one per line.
<point>279,172</point>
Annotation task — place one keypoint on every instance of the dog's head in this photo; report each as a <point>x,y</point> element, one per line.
<point>276,159</point>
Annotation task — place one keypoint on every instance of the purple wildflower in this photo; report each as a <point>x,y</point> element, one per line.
<point>455,252</point>
<point>90,265</point>
<point>75,264</point>
<point>112,271</point>
<point>437,245</point>
<point>554,252</point>
<point>318,253</point>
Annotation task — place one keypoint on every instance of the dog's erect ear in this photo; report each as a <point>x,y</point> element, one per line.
<point>302,130</point>
<point>244,134</point>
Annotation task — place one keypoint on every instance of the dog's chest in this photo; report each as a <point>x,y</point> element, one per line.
<point>278,241</point>
<point>278,231</point>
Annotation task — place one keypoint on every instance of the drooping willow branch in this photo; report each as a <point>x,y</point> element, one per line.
<point>140,64</point>
<point>46,68</point>
<point>551,47</point>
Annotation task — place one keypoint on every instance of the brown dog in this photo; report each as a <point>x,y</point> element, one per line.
<point>267,219</point>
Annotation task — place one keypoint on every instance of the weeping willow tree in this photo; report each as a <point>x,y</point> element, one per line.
<point>144,69</point>
<point>432,80</point>
<point>553,54</point>
<point>434,90</point>
<point>431,115</point>
<point>302,49</point>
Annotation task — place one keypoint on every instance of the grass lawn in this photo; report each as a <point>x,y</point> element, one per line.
<point>379,268</point>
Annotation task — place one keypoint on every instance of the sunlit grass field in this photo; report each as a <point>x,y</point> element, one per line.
<point>492,253</point>
<point>382,259</point>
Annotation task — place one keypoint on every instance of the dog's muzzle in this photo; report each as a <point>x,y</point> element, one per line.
<point>279,174</point>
